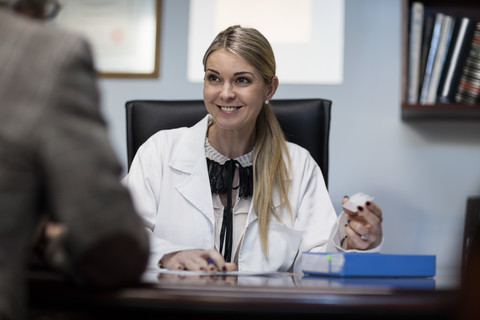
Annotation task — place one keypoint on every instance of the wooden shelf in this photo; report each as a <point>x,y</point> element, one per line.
<point>458,8</point>
<point>440,112</point>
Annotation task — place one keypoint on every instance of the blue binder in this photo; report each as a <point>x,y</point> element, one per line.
<point>351,264</point>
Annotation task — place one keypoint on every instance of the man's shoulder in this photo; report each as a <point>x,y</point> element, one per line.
<point>28,32</point>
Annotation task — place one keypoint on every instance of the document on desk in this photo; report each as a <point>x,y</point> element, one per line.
<point>220,273</point>
<point>166,278</point>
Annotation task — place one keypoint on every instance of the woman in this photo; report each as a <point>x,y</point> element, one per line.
<point>230,192</point>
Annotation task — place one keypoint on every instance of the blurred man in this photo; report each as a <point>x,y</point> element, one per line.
<point>56,161</point>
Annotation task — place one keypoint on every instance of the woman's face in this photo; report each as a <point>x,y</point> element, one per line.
<point>234,92</point>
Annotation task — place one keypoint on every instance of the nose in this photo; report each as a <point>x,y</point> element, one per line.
<point>227,92</point>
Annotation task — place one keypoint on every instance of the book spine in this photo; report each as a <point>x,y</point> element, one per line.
<point>426,39</point>
<point>456,59</point>
<point>416,29</point>
<point>443,44</point>
<point>468,91</point>
<point>431,57</point>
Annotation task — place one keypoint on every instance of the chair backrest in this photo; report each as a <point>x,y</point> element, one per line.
<point>305,122</point>
<point>468,306</point>
<point>471,229</point>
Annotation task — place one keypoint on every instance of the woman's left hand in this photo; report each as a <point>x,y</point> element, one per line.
<point>364,227</point>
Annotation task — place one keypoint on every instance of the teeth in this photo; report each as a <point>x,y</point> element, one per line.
<point>229,109</point>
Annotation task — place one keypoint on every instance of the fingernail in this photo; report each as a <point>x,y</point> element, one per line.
<point>368,203</point>
<point>224,268</point>
<point>360,208</point>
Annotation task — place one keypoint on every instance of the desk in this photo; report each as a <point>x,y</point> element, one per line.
<point>280,296</point>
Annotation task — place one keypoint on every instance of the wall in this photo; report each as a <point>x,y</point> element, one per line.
<point>419,173</point>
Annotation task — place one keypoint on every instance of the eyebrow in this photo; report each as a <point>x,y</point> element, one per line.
<point>235,74</point>
<point>243,72</point>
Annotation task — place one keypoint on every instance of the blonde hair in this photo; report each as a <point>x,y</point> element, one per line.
<point>269,168</point>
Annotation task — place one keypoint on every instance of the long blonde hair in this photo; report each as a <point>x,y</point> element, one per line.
<point>270,170</point>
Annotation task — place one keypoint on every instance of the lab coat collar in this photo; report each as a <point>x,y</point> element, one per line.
<point>191,148</point>
<point>190,159</point>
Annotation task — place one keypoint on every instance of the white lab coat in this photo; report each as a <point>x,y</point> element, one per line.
<point>169,183</point>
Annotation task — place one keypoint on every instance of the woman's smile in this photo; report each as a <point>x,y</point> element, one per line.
<point>229,109</point>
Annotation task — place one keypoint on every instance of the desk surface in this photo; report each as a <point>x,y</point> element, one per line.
<point>277,295</point>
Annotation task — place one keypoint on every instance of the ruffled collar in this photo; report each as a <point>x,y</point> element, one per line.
<point>219,167</point>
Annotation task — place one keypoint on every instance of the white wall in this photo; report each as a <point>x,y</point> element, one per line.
<point>419,173</point>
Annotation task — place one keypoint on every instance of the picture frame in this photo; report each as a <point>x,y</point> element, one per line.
<point>123,34</point>
<point>313,32</point>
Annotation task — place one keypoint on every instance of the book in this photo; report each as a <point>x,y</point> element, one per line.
<point>423,283</point>
<point>415,47</point>
<point>438,64</point>
<point>426,39</point>
<point>431,56</point>
<point>456,56</point>
<point>353,264</point>
<point>468,90</point>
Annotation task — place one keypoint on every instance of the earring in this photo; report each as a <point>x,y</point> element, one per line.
<point>267,102</point>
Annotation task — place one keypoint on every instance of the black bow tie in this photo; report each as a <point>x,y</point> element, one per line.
<point>221,180</point>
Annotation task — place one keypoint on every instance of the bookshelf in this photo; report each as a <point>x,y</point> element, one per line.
<point>435,110</point>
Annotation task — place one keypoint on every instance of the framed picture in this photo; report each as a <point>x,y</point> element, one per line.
<point>124,34</point>
<point>307,36</point>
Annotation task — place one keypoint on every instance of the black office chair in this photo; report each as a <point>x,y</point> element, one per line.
<point>468,306</point>
<point>305,122</point>
<point>471,229</point>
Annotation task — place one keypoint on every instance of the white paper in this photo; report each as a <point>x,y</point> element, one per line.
<point>219,273</point>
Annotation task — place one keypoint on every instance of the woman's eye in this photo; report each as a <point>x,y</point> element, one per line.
<point>243,80</point>
<point>212,78</point>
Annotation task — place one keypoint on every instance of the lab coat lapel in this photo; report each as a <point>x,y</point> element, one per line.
<point>190,159</point>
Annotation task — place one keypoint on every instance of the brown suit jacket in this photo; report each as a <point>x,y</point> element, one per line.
<point>56,157</point>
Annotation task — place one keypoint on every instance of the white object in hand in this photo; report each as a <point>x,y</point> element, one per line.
<point>358,199</point>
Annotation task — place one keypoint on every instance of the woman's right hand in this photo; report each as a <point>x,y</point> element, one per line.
<point>196,260</point>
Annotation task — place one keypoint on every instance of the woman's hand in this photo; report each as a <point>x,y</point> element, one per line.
<point>196,260</point>
<point>364,227</point>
